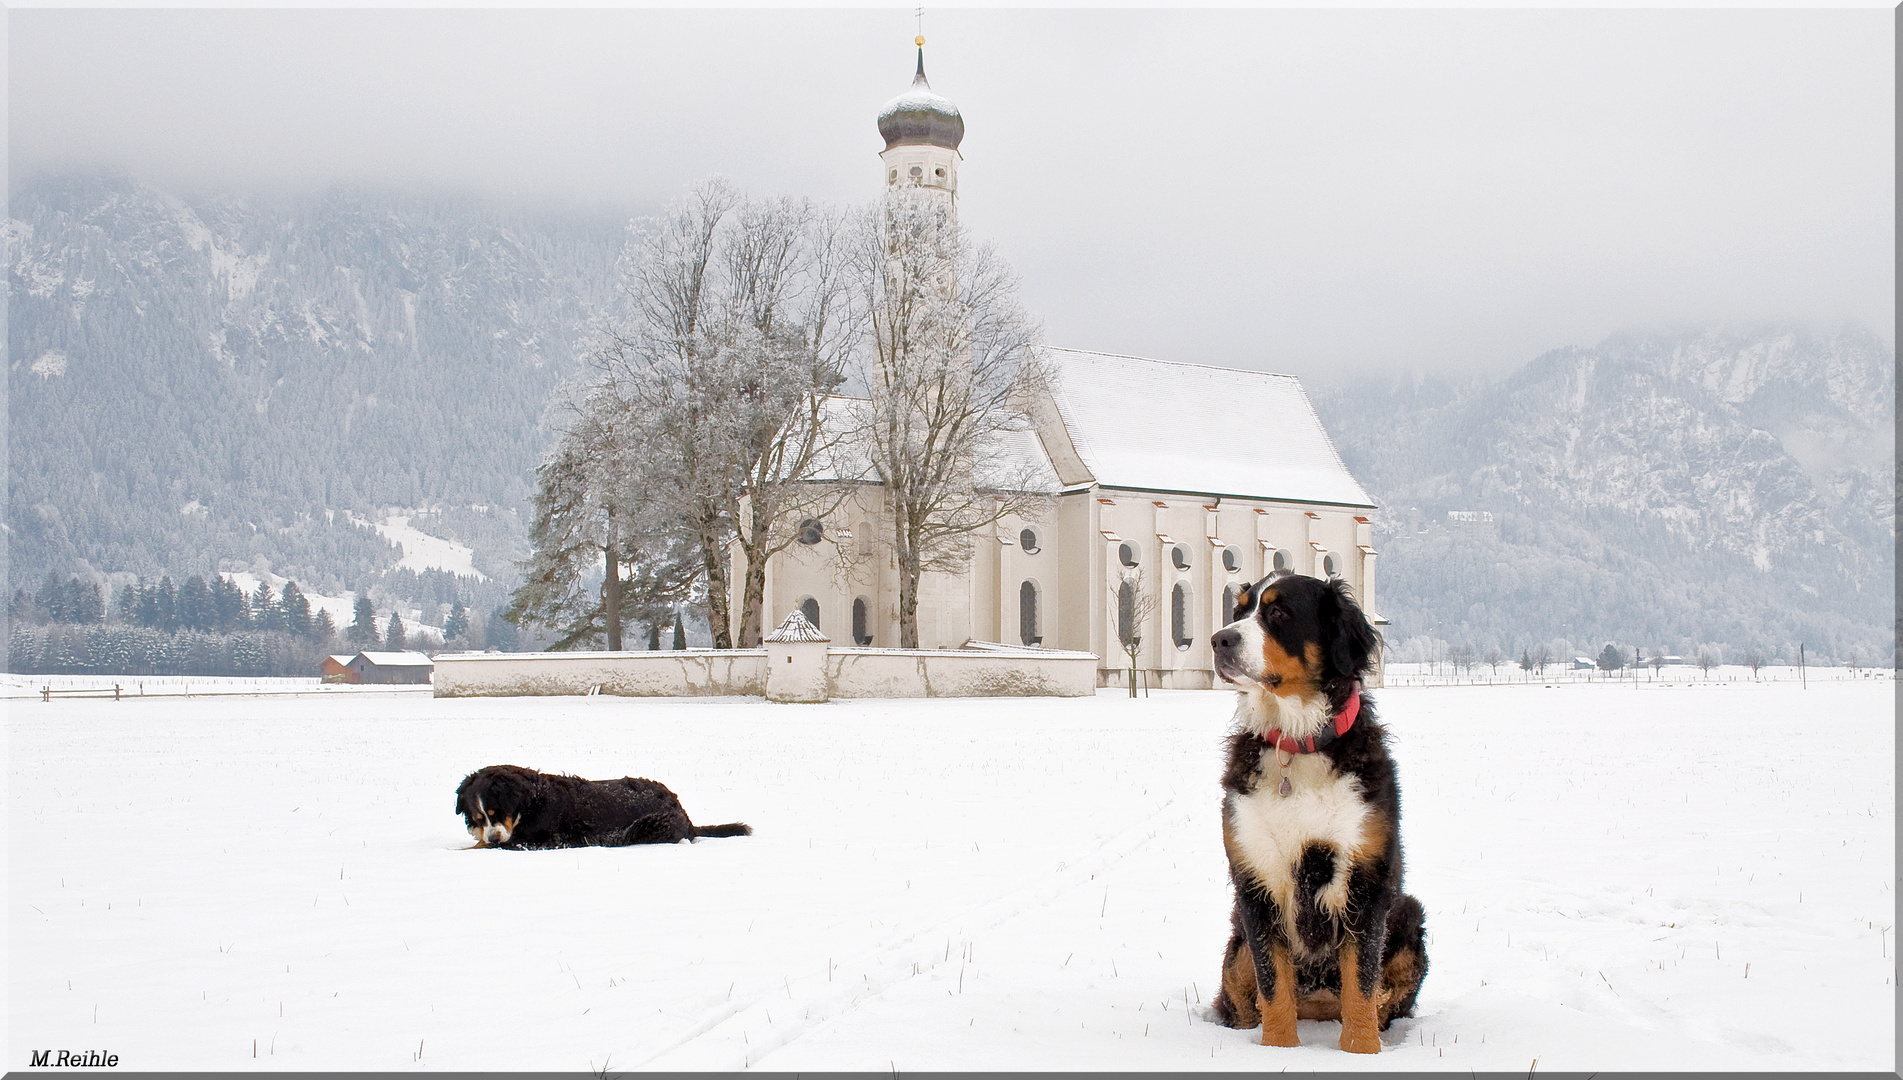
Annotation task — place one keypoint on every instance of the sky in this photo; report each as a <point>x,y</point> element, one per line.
<point>1336,194</point>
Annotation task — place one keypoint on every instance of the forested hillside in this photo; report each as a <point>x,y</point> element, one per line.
<point>202,385</point>
<point>1663,491</point>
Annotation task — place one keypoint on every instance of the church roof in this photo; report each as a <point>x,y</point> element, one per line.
<point>1155,425</point>
<point>795,628</point>
<point>1008,460</point>
<point>921,116</point>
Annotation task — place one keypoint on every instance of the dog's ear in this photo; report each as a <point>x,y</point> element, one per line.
<point>1352,639</point>
<point>462,787</point>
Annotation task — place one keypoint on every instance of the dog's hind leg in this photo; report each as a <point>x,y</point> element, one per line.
<point>1406,962</point>
<point>1235,999</point>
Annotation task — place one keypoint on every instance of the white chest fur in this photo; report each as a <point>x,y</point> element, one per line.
<point>1268,831</point>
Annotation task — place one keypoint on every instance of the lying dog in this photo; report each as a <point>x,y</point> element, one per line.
<point>1311,823</point>
<point>507,806</point>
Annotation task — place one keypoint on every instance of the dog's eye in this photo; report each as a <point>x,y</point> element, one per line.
<point>1274,614</point>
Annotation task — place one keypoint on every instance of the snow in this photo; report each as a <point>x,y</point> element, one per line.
<point>421,551</point>
<point>1156,425</point>
<point>938,884</point>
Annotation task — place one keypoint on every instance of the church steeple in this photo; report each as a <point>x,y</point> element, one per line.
<point>922,130</point>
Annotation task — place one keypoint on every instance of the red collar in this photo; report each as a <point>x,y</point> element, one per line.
<point>1344,720</point>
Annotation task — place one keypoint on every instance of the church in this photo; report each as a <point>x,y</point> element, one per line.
<point>1175,485</point>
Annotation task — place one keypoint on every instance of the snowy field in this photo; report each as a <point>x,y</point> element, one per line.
<point>936,884</point>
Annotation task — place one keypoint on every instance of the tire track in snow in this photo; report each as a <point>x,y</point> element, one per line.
<point>816,1001</point>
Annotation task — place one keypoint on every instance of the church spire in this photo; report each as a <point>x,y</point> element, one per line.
<point>922,130</point>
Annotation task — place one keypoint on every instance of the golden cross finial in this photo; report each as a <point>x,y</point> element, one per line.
<point>921,27</point>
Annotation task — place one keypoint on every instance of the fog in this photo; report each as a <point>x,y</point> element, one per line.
<point>1329,193</point>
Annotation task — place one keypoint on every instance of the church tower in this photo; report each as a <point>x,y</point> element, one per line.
<point>922,131</point>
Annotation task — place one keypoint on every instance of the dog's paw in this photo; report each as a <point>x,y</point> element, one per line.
<point>1360,1043</point>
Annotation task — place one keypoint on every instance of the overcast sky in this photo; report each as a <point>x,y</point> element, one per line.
<point>1327,193</point>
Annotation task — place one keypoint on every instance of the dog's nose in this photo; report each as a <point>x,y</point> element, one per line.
<point>1225,640</point>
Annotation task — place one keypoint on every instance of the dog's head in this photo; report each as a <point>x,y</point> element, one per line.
<point>493,801</point>
<point>1295,637</point>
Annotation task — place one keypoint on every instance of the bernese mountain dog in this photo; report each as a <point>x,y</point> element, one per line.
<point>1311,820</point>
<point>511,807</point>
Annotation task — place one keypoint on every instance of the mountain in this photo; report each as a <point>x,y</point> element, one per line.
<point>1659,490</point>
<point>199,385</point>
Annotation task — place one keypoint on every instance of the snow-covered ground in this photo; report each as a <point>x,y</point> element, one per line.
<point>421,551</point>
<point>946,884</point>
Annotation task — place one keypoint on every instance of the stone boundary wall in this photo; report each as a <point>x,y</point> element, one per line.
<point>847,673</point>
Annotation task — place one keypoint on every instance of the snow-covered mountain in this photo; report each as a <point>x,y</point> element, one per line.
<point>1658,490</point>
<point>198,383</point>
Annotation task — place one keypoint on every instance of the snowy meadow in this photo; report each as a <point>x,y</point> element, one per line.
<point>1684,874</point>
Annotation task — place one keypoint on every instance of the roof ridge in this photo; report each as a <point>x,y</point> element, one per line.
<point>1172,363</point>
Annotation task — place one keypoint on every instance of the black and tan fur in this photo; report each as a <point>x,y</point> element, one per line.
<point>1320,929</point>
<point>512,807</point>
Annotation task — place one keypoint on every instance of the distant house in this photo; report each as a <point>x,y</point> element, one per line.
<point>389,667</point>
<point>1584,663</point>
<point>337,667</point>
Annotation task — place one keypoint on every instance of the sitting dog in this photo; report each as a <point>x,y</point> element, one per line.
<point>511,807</point>
<point>1311,824</point>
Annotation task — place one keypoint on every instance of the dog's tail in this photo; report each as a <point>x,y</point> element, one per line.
<point>732,828</point>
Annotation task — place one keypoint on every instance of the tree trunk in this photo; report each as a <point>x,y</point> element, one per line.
<point>719,614</point>
<point>909,573</point>
<point>611,589</point>
<point>752,604</point>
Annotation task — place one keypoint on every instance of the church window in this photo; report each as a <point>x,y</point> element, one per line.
<point>893,175</point>
<point>1229,602</point>
<point>862,538</point>
<point>1231,559</point>
<point>1179,616</point>
<point>939,172</point>
<point>1179,557</point>
<point>1028,541</point>
<point>916,171</point>
<point>1331,566</point>
<point>861,617</point>
<point>1027,614</point>
<point>811,531</point>
<point>809,607</point>
<point>1127,554</point>
<point>1282,561</point>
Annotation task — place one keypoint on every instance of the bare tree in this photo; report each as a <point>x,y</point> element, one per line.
<point>1708,658</point>
<point>1134,605</point>
<point>738,318</point>
<point>1754,658</point>
<point>1542,656</point>
<point>951,357</point>
<point>1493,658</point>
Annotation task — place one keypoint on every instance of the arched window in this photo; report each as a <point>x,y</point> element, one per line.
<point>862,538</point>
<point>1282,561</point>
<point>861,618</point>
<point>1229,604</point>
<point>1126,611</point>
<point>1331,566</point>
<point>1127,554</point>
<point>811,531</point>
<point>1231,559</point>
<point>1179,557</point>
<point>1179,615</point>
<point>809,607</point>
<point>1028,541</point>
<point>1027,614</point>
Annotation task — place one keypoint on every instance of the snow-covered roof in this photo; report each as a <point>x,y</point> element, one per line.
<point>395,659</point>
<point>1155,425</point>
<point>796,628</point>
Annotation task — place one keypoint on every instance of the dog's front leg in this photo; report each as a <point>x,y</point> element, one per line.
<point>1274,968</point>
<point>1360,959</point>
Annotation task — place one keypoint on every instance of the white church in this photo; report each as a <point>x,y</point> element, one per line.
<point>1189,479</point>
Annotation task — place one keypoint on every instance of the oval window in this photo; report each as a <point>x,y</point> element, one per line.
<point>1282,561</point>
<point>1231,559</point>
<point>1330,565</point>
<point>1028,541</point>
<point>1127,554</point>
<point>1179,557</point>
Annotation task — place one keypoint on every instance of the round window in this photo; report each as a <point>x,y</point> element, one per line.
<point>1179,557</point>
<point>1127,554</point>
<point>1231,559</point>
<point>811,531</point>
<point>1028,541</point>
<point>1282,561</point>
<point>1331,565</point>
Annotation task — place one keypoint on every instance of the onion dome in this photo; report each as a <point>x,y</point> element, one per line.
<point>921,116</point>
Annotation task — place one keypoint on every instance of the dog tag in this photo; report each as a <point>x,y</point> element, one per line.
<point>1285,788</point>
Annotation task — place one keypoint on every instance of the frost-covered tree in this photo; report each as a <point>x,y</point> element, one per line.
<point>394,638</point>
<point>323,628</point>
<point>457,625</point>
<point>738,317</point>
<point>1611,658</point>
<point>296,610</point>
<point>362,631</point>
<point>950,359</point>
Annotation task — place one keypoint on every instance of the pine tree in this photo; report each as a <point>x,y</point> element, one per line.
<point>457,625</point>
<point>166,599</point>
<point>680,633</point>
<point>87,606</point>
<point>50,602</point>
<point>264,607</point>
<point>363,624</point>
<point>195,611</point>
<point>296,610</point>
<point>323,628</point>
<point>393,638</point>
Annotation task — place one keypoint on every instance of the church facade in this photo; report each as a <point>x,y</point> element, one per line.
<point>1175,484</point>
